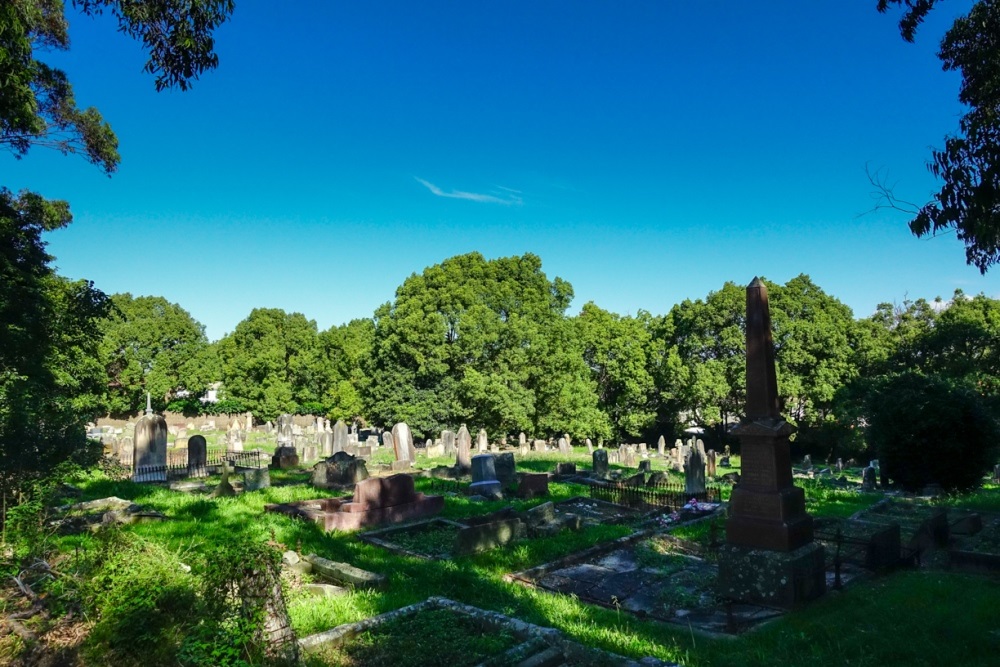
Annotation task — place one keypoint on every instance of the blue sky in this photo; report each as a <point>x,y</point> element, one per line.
<point>646,151</point>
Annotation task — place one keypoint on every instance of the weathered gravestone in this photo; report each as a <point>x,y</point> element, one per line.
<point>564,446</point>
<point>402,442</point>
<point>463,458</point>
<point>149,454</point>
<point>868,479</point>
<point>341,469</point>
<point>590,445</point>
<point>522,440</point>
<point>538,445</point>
<point>484,477</point>
<point>694,472</point>
<point>255,479</point>
<point>387,442</point>
<point>197,456</point>
<point>448,441</point>
<point>661,446</point>
<point>711,463</point>
<point>325,444</point>
<point>505,468</point>
<point>769,556</point>
<point>600,463</point>
<point>340,436</point>
<point>286,434</point>
<point>482,440</point>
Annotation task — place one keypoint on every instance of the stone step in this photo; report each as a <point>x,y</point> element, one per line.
<point>550,657</point>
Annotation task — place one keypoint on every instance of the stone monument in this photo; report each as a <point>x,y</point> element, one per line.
<point>769,557</point>
<point>149,453</point>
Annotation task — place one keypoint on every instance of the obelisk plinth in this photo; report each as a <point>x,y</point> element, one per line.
<point>769,556</point>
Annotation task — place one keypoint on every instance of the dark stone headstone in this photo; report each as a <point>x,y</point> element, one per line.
<point>197,456</point>
<point>255,479</point>
<point>533,485</point>
<point>645,466</point>
<point>484,477</point>
<point>285,458</point>
<point>505,468</point>
<point>710,460</point>
<point>341,469</point>
<point>868,479</point>
<point>694,472</point>
<point>149,454</point>
<point>565,468</point>
<point>600,462</point>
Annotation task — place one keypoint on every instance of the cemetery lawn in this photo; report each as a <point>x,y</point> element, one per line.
<point>907,618</point>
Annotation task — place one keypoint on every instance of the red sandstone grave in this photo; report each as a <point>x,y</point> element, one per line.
<point>376,501</point>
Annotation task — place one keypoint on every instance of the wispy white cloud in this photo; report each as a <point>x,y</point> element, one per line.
<point>505,196</point>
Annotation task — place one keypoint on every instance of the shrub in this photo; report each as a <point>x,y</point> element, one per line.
<point>927,430</point>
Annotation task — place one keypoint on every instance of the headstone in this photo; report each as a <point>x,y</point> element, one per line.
<point>149,454</point>
<point>533,485</point>
<point>522,439</point>
<point>869,479</point>
<point>505,469</point>
<point>711,463</point>
<point>643,450</point>
<point>448,441</point>
<point>402,442</point>
<point>538,445</point>
<point>645,465</point>
<point>565,468</point>
<point>387,441</point>
<point>661,446</point>
<point>463,457</point>
<point>341,469</point>
<point>255,479</point>
<point>326,444</point>
<point>768,532</point>
<point>340,438</point>
<point>484,477</point>
<point>197,456</point>
<point>694,472</point>
<point>807,462</point>
<point>590,445</point>
<point>564,446</point>
<point>248,421</point>
<point>286,436</point>
<point>285,457</point>
<point>840,465</point>
<point>482,440</point>
<point>600,463</point>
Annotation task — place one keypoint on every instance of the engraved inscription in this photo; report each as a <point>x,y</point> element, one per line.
<point>757,504</point>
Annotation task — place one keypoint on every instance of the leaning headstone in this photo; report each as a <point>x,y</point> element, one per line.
<point>197,456</point>
<point>564,446</point>
<point>463,456</point>
<point>149,454</point>
<point>484,477</point>
<point>402,442</point>
<point>600,462</point>
<point>482,440</point>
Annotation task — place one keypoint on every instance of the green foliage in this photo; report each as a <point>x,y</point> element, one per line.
<point>271,363</point>
<point>153,345</point>
<point>969,163</point>
<point>928,430</point>
<point>142,600</point>
<point>48,346</point>
<point>483,342</point>
<point>239,586</point>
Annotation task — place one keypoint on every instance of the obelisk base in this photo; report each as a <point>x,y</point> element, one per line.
<point>781,579</point>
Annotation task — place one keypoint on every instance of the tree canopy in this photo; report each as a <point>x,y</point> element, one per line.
<point>969,163</point>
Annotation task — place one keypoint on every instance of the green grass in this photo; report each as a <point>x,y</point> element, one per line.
<point>910,618</point>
